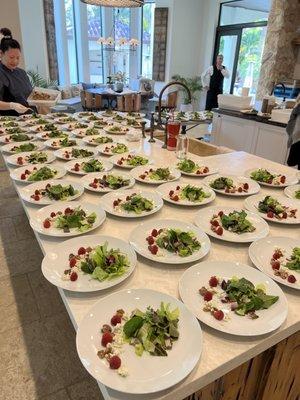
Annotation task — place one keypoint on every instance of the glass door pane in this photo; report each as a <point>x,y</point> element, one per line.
<point>95,51</point>
<point>249,61</point>
<point>228,47</point>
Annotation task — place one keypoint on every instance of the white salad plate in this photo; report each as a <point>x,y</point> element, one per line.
<point>290,191</point>
<point>49,143</point>
<point>16,173</point>
<point>138,171</point>
<point>13,159</point>
<point>139,235</point>
<point>165,189</point>
<point>203,218</point>
<point>201,163</point>
<point>198,276</point>
<point>291,179</point>
<point>117,157</point>
<point>107,166</point>
<point>108,199</point>
<point>101,148</point>
<point>237,181</point>
<point>36,221</point>
<point>251,203</point>
<point>90,140</point>
<point>56,262</point>
<point>262,250</point>
<point>5,139</point>
<point>7,148</point>
<point>146,374</point>
<point>89,178</point>
<point>60,153</point>
<point>29,190</point>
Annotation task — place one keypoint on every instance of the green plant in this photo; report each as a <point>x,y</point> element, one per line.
<point>37,80</point>
<point>194,84</point>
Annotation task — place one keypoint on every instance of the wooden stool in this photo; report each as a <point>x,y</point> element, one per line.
<point>137,102</point>
<point>98,102</point>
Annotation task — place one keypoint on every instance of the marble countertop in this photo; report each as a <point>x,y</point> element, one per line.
<point>257,118</point>
<point>221,352</point>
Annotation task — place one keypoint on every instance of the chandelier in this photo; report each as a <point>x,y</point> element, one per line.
<point>115,3</point>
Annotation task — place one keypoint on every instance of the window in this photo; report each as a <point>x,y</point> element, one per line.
<point>147,40</point>
<point>121,56</point>
<point>94,27</point>
<point>71,37</point>
<point>244,11</point>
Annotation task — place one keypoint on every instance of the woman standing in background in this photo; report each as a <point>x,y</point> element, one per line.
<point>293,130</point>
<point>15,86</point>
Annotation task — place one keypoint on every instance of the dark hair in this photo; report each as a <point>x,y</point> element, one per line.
<point>7,41</point>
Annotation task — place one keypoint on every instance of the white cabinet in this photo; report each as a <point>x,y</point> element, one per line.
<point>264,140</point>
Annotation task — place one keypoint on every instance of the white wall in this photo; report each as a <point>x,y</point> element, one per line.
<point>32,27</point>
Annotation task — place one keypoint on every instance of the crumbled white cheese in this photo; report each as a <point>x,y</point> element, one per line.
<point>123,371</point>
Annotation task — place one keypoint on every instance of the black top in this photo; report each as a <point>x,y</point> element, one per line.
<point>216,80</point>
<point>15,87</point>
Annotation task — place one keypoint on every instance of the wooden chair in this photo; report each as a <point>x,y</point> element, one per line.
<point>82,98</point>
<point>98,102</point>
<point>128,102</point>
<point>120,103</point>
<point>89,101</point>
<point>137,102</point>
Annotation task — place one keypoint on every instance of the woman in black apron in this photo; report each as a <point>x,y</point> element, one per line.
<point>15,86</point>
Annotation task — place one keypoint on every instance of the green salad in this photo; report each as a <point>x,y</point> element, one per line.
<point>293,262</point>
<point>41,121</point>
<point>222,183</point>
<point>263,175</point>
<point>133,122</point>
<point>110,181</point>
<point>81,153</point>
<point>248,297</point>
<point>134,203</point>
<point>115,129</point>
<point>58,192</point>
<point>100,262</point>
<point>102,140</point>
<point>75,218</point>
<point>237,222</point>
<point>24,147</point>
<point>269,204</point>
<point>92,166</point>
<point>10,124</point>
<point>56,134</point>
<point>118,118</point>
<point>66,142</point>
<point>119,148</point>
<point>297,194</point>
<point>175,241</point>
<point>136,160</point>
<point>11,131</point>
<point>92,132</point>
<point>42,174</point>
<point>19,137</point>
<point>160,174</point>
<point>49,127</point>
<point>94,118</point>
<point>37,157</point>
<point>192,193</point>
<point>153,331</point>
<point>188,166</point>
<point>79,125</point>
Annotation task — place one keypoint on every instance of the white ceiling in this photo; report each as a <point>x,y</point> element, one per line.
<point>259,5</point>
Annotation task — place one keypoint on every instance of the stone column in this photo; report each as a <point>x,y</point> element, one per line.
<point>279,56</point>
<point>50,36</point>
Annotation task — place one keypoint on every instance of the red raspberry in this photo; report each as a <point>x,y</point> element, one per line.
<point>36,197</point>
<point>275,265</point>
<point>73,276</point>
<point>171,192</point>
<point>291,279</point>
<point>219,231</point>
<point>72,262</point>
<point>153,249</point>
<point>37,192</point>
<point>20,162</point>
<point>226,190</point>
<point>220,213</point>
<point>107,337</point>
<point>94,185</point>
<point>208,296</point>
<point>23,177</point>
<point>175,198</point>
<point>270,214</point>
<point>154,232</point>
<point>177,187</point>
<point>47,224</point>
<point>150,239</point>
<point>284,215</point>
<point>246,186</point>
<point>67,155</point>
<point>52,215</point>
<point>116,319</point>
<point>282,179</point>
<point>277,255</point>
<point>81,251</point>
<point>240,189</point>
<point>214,222</point>
<point>213,282</point>
<point>206,170</point>
<point>218,314</point>
<point>198,172</point>
<point>115,362</point>
<point>76,168</point>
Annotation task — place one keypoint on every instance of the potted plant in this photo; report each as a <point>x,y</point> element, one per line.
<point>119,79</point>
<point>195,86</point>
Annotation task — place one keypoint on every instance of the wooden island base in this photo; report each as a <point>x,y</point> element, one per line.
<point>272,375</point>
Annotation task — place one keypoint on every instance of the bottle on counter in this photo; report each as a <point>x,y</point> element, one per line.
<point>182,144</point>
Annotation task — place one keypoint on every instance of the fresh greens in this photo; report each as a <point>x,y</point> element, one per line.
<point>153,331</point>
<point>42,174</point>
<point>248,297</point>
<point>37,158</point>
<point>297,194</point>
<point>262,175</point>
<point>92,165</point>
<point>10,124</point>
<point>81,153</point>
<point>113,182</point>
<point>102,140</point>
<point>160,174</point>
<point>74,219</point>
<point>66,142</point>
<point>269,204</point>
<point>177,241</point>
<point>188,166</point>
<point>222,183</point>
<point>24,147</point>
<point>92,132</point>
<point>294,261</point>
<point>56,134</point>
<point>136,204</point>
<point>59,192</point>
<point>19,137</point>
<point>103,263</point>
<point>237,222</point>
<point>192,193</point>
<point>119,148</point>
<point>11,131</point>
<point>136,160</point>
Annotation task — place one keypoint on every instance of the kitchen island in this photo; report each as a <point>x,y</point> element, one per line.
<point>251,133</point>
<point>221,352</point>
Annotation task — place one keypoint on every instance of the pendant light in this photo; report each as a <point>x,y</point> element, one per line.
<point>115,3</point>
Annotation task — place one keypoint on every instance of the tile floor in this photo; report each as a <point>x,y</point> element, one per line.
<point>37,340</point>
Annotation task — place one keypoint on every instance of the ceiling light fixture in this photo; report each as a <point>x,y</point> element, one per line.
<point>115,3</point>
